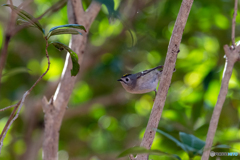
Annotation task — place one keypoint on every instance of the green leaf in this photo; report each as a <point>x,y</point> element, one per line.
<point>171,138</point>
<point>77,26</point>
<point>192,141</point>
<point>23,22</point>
<point>74,57</point>
<point>63,31</point>
<point>191,144</point>
<point>141,150</point>
<point>26,16</point>
<point>109,4</point>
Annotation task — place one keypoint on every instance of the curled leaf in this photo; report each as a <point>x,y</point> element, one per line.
<point>74,57</point>
<point>77,26</point>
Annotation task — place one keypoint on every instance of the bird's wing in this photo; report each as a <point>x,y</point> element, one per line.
<point>147,71</point>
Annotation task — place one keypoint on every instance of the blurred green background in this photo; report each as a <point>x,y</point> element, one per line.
<point>102,120</point>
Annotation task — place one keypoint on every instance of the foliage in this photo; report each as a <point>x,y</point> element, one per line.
<point>104,129</point>
<point>190,144</point>
<point>28,18</point>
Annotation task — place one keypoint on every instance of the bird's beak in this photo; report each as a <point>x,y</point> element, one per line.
<point>119,80</point>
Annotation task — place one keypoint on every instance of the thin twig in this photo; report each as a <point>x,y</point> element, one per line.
<point>18,108</point>
<point>20,103</point>
<point>53,8</point>
<point>3,109</point>
<point>47,67</point>
<point>234,23</point>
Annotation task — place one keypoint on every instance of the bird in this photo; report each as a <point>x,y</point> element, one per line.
<point>142,82</point>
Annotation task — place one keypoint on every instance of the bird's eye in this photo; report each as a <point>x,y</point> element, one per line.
<point>127,79</point>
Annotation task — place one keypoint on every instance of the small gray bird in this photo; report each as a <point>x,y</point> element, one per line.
<point>142,82</point>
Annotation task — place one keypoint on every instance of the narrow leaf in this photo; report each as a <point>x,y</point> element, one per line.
<point>26,16</point>
<point>191,151</point>
<point>141,150</point>
<point>77,26</point>
<point>23,22</point>
<point>171,138</point>
<point>192,141</point>
<point>63,31</point>
<point>74,57</point>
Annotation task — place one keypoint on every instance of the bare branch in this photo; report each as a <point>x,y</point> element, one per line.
<point>234,23</point>
<point>77,11</point>
<point>9,123</point>
<point>231,57</point>
<point>92,12</point>
<point>168,69</point>
<point>3,109</point>
<point>79,5</point>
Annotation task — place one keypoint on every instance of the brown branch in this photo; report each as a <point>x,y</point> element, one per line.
<point>92,11</point>
<point>65,87</point>
<point>50,147</point>
<point>234,23</point>
<point>231,58</point>
<point>168,69</point>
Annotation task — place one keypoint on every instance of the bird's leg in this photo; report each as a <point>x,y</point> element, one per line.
<point>155,90</point>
